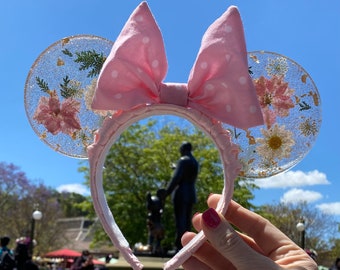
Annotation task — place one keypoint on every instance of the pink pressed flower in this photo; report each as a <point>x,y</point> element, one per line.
<point>58,118</point>
<point>269,116</point>
<point>275,96</point>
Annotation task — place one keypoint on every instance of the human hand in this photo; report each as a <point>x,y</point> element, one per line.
<point>260,246</point>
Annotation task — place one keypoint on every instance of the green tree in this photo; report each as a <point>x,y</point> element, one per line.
<point>19,197</point>
<point>140,161</point>
<point>320,228</point>
<point>72,204</point>
<point>330,256</point>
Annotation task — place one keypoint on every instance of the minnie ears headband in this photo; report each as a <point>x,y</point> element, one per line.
<point>261,109</point>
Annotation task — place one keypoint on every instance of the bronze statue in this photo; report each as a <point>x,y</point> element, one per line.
<point>182,187</point>
<point>155,205</point>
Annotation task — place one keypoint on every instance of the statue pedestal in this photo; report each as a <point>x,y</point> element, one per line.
<point>148,262</point>
<point>141,250</point>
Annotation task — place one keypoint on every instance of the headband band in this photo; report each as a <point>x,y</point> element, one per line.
<point>111,130</point>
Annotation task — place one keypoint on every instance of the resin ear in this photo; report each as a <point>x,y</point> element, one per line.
<point>291,108</point>
<point>59,90</point>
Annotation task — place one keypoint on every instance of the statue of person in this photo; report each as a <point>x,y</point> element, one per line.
<point>183,190</point>
<point>155,206</point>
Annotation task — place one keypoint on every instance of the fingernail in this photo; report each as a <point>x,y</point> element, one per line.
<point>211,218</point>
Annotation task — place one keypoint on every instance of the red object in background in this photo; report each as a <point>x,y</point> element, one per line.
<point>68,254</point>
<point>63,253</point>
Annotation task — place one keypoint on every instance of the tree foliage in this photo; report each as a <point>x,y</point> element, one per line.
<point>140,161</point>
<point>19,197</point>
<point>320,228</point>
<point>330,256</point>
<point>72,204</point>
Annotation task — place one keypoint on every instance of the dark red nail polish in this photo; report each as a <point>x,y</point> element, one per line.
<point>211,218</point>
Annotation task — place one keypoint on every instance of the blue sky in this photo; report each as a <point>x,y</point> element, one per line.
<point>307,31</point>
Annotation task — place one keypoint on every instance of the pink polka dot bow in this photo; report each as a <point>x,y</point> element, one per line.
<point>219,84</point>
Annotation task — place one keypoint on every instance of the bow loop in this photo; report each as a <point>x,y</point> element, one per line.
<point>136,66</point>
<point>219,80</point>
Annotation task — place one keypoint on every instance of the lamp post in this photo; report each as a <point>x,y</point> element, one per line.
<point>302,228</point>
<point>36,215</point>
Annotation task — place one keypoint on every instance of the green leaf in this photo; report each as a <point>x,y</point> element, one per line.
<point>67,89</point>
<point>42,84</point>
<point>67,52</point>
<point>304,106</point>
<point>90,60</point>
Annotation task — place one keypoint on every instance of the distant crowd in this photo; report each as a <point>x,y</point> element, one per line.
<point>20,258</point>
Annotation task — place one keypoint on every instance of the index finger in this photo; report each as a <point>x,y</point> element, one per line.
<point>264,233</point>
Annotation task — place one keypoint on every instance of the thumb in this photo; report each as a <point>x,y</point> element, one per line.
<point>230,245</point>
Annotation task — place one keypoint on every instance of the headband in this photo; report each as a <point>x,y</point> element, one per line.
<point>261,109</point>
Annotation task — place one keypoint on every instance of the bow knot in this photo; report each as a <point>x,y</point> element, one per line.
<point>174,93</point>
<point>219,84</point>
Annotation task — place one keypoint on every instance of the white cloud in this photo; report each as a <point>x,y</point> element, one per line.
<point>296,195</point>
<point>293,179</point>
<point>76,188</point>
<point>330,208</point>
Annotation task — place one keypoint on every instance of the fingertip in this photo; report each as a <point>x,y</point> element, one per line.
<point>186,237</point>
<point>196,221</point>
<point>196,216</point>
<point>213,200</point>
<point>197,213</point>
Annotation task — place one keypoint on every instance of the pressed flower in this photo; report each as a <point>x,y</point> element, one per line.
<point>277,66</point>
<point>75,86</point>
<point>274,95</point>
<point>269,116</point>
<point>58,118</point>
<point>90,90</point>
<point>308,127</point>
<point>277,143</point>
